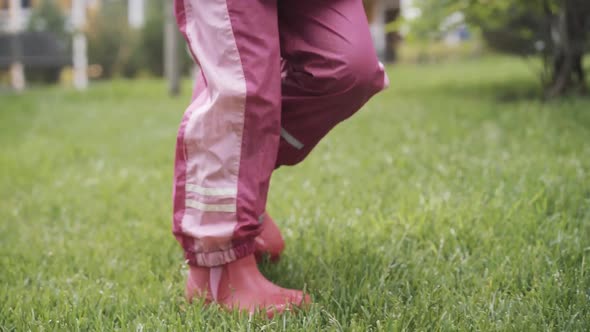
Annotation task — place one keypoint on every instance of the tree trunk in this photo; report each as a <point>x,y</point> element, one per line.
<point>569,42</point>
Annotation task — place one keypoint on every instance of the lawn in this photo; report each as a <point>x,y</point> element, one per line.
<point>453,201</point>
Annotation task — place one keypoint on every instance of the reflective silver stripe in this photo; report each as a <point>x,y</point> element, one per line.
<point>210,207</point>
<point>291,140</point>
<point>211,191</point>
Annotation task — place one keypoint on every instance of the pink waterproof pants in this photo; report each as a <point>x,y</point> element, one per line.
<point>276,76</point>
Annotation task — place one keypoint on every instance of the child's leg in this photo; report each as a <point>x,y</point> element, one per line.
<point>226,147</point>
<point>230,131</point>
<point>330,70</point>
<point>270,241</point>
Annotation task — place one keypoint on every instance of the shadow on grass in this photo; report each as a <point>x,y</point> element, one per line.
<point>522,89</point>
<point>500,91</point>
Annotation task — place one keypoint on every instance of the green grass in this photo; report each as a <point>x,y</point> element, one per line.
<point>453,201</point>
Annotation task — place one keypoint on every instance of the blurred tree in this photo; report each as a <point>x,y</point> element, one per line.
<point>120,50</point>
<point>111,43</point>
<point>152,41</point>
<point>557,29</point>
<point>48,16</point>
<point>433,14</point>
<point>46,32</point>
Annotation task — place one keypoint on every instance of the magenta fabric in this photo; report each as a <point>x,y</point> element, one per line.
<point>276,77</point>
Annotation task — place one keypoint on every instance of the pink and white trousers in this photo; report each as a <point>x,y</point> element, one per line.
<point>276,76</point>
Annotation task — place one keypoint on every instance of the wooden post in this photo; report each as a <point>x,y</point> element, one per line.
<point>79,49</point>
<point>17,69</point>
<point>171,61</point>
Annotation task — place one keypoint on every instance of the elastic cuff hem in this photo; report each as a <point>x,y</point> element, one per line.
<point>216,258</point>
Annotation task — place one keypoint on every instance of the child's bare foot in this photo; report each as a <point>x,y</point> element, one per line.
<point>240,285</point>
<point>270,242</point>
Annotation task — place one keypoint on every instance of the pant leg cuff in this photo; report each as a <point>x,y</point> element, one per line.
<point>216,258</point>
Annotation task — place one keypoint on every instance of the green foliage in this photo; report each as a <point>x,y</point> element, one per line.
<point>439,207</point>
<point>151,46</point>
<point>152,39</point>
<point>111,43</point>
<point>47,16</point>
<point>120,50</point>
<point>509,26</point>
<point>558,30</point>
<point>434,12</point>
